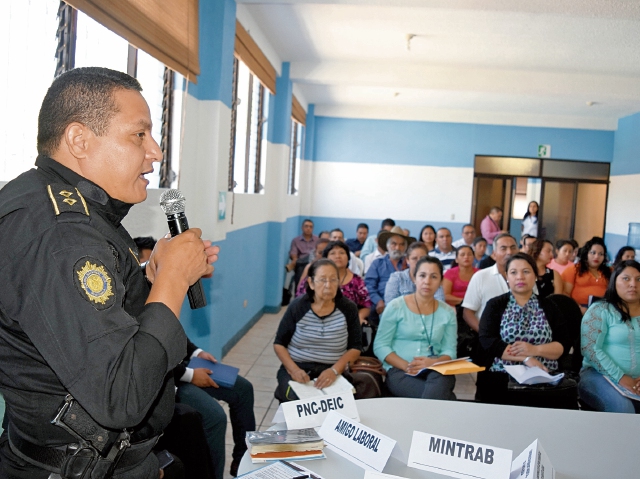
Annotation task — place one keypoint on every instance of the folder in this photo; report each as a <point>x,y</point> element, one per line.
<point>223,374</point>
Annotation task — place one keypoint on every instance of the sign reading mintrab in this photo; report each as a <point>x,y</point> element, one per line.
<point>457,458</point>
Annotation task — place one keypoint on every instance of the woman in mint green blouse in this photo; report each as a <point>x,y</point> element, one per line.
<point>415,332</point>
<point>610,342</point>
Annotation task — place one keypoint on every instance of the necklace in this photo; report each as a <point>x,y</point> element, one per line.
<point>424,324</point>
<point>346,272</point>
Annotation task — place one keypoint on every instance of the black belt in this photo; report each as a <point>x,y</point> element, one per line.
<point>51,458</point>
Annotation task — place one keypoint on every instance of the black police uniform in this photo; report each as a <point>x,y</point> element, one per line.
<point>73,320</point>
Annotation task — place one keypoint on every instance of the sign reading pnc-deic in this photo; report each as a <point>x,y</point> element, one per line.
<point>457,458</point>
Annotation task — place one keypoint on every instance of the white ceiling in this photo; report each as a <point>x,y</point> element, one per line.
<point>536,62</point>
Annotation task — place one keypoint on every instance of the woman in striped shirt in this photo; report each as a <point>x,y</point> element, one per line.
<point>319,333</point>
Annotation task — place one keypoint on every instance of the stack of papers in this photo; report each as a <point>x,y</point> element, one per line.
<point>309,390</point>
<point>281,470</point>
<point>295,444</point>
<point>534,375</point>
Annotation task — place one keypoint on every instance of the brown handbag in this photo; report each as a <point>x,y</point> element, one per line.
<point>366,374</point>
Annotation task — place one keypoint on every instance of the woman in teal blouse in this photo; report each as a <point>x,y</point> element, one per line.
<point>611,344</point>
<point>415,332</point>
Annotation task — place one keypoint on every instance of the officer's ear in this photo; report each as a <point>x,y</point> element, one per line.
<point>76,139</point>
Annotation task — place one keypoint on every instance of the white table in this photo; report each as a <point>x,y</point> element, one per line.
<point>580,444</point>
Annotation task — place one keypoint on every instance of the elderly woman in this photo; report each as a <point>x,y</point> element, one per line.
<point>319,333</point>
<point>590,276</point>
<point>610,344</point>
<point>417,331</point>
<point>403,282</point>
<point>549,281</point>
<point>516,328</point>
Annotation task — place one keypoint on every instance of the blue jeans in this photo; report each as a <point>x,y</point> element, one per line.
<point>214,420</point>
<point>428,385</point>
<point>596,391</point>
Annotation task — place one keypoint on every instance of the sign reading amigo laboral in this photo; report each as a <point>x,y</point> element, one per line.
<point>533,463</point>
<point>356,442</point>
<point>456,458</point>
<point>312,412</point>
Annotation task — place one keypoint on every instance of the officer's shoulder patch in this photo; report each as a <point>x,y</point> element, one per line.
<point>66,199</point>
<point>93,281</point>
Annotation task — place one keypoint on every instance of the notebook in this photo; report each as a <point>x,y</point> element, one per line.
<point>223,374</point>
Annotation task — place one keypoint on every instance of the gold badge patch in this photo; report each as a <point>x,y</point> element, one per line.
<point>96,283</point>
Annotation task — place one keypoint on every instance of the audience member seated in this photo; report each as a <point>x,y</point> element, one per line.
<point>590,276</point>
<point>351,285</point>
<point>428,237</point>
<point>455,284</point>
<point>145,246</point>
<point>549,281</point>
<point>479,251</point>
<point>576,250</point>
<point>625,253</point>
<point>319,333</point>
<point>611,344</point>
<point>530,221</point>
<point>564,253</point>
<point>490,226</point>
<point>316,255</point>
<point>415,332</point>
<point>371,245</point>
<point>444,251</point>
<point>516,328</point>
<point>375,255</point>
<point>394,243</point>
<point>468,235</point>
<point>355,244</point>
<point>301,246</point>
<point>324,235</point>
<point>525,243</point>
<point>403,282</point>
<point>484,285</point>
<point>197,390</point>
<point>356,265</point>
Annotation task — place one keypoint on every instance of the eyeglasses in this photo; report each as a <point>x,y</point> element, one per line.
<point>325,280</point>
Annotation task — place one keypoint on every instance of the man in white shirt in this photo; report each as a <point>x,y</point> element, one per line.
<point>488,283</point>
<point>468,235</point>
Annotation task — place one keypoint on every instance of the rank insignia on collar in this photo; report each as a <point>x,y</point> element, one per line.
<point>94,282</point>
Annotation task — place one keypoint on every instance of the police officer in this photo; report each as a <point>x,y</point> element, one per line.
<point>84,339</point>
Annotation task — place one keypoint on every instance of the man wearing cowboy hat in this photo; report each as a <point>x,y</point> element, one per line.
<point>394,243</point>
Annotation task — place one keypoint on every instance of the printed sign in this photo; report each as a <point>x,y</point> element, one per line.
<point>222,205</point>
<point>533,463</point>
<point>361,445</point>
<point>456,458</point>
<point>312,412</point>
<point>544,151</point>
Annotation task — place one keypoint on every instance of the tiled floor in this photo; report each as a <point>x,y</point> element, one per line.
<point>258,363</point>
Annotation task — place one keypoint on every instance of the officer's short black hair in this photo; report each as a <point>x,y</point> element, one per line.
<point>83,95</point>
<point>144,242</point>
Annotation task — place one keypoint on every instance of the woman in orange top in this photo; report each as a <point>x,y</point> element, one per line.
<point>590,276</point>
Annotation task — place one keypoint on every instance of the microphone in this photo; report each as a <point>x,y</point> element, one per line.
<point>172,203</point>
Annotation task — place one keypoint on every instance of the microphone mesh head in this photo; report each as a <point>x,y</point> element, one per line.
<point>172,202</point>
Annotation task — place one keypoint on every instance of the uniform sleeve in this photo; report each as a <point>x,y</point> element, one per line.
<point>592,335</point>
<point>67,293</point>
<point>489,331</point>
<point>473,298</point>
<point>287,326</point>
<point>387,329</point>
<point>350,311</point>
<point>569,274</point>
<point>450,338</point>
<point>371,280</point>
<point>392,288</point>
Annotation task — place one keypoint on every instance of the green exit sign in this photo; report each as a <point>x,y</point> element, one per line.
<point>544,151</point>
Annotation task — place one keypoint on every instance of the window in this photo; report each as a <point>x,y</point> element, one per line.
<point>250,105</point>
<point>32,32</point>
<point>297,135</point>
<point>27,66</point>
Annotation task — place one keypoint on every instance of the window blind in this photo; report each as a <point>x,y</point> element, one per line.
<point>250,54</point>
